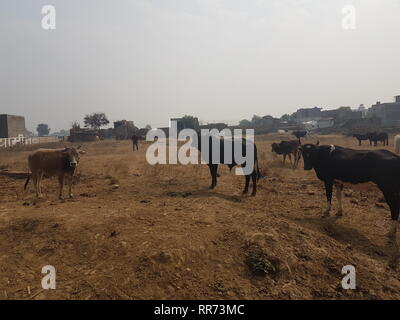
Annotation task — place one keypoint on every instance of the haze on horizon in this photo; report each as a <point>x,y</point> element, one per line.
<point>220,60</point>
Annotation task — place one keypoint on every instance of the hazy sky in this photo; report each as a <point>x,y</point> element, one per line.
<point>222,60</point>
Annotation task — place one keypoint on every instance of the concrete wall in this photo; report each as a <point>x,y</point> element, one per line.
<point>11,126</point>
<point>9,142</point>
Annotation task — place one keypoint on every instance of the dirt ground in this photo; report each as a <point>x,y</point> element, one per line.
<point>136,231</point>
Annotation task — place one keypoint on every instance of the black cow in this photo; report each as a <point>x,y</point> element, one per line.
<point>255,174</point>
<point>361,137</point>
<point>299,134</point>
<point>382,137</point>
<point>287,148</point>
<point>334,165</point>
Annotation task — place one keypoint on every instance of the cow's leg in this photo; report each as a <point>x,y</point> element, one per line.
<point>247,182</point>
<point>284,159</point>
<point>39,184</point>
<point>339,191</point>
<point>213,171</point>
<point>393,200</point>
<point>328,190</point>
<point>35,183</point>
<point>61,185</point>
<point>298,157</point>
<point>294,160</point>
<point>254,178</point>
<point>70,181</point>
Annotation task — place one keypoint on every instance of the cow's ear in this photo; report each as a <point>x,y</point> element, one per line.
<point>78,147</point>
<point>317,144</point>
<point>82,152</point>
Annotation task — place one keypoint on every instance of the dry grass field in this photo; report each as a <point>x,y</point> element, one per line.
<point>135,231</point>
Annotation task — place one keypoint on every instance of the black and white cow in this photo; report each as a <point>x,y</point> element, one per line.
<point>335,165</point>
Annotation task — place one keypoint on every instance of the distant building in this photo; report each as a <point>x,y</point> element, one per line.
<point>307,114</point>
<point>12,126</point>
<point>219,126</point>
<point>318,118</point>
<point>319,124</point>
<point>389,112</point>
<point>180,124</point>
<point>84,134</point>
<point>363,110</point>
<point>341,114</point>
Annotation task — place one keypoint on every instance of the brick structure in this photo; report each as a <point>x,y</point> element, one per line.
<point>12,126</point>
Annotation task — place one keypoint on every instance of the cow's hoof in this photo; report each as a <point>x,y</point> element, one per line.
<point>325,214</point>
<point>253,194</point>
<point>61,198</point>
<point>245,191</point>
<point>71,196</point>
<point>339,214</point>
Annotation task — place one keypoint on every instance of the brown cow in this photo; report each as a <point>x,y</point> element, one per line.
<point>53,162</point>
<point>287,148</point>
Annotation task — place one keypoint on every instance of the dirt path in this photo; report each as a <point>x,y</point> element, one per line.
<point>134,231</point>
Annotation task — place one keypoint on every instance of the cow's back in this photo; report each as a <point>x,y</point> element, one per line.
<point>48,161</point>
<point>358,166</point>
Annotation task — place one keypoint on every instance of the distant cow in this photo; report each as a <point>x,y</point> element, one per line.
<point>361,137</point>
<point>135,142</point>
<point>53,162</point>
<point>382,137</point>
<point>397,144</point>
<point>255,174</point>
<point>288,148</point>
<point>334,165</point>
<point>299,134</point>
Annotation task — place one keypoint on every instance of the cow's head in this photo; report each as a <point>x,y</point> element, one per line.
<point>72,156</point>
<point>275,148</point>
<point>308,151</point>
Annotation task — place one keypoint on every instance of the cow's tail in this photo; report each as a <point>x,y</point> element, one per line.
<point>27,180</point>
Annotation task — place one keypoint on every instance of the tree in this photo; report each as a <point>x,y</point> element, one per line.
<point>95,120</point>
<point>245,123</point>
<point>147,127</point>
<point>29,133</point>
<point>75,125</point>
<point>191,122</point>
<point>286,117</point>
<point>43,129</point>
<point>256,121</point>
